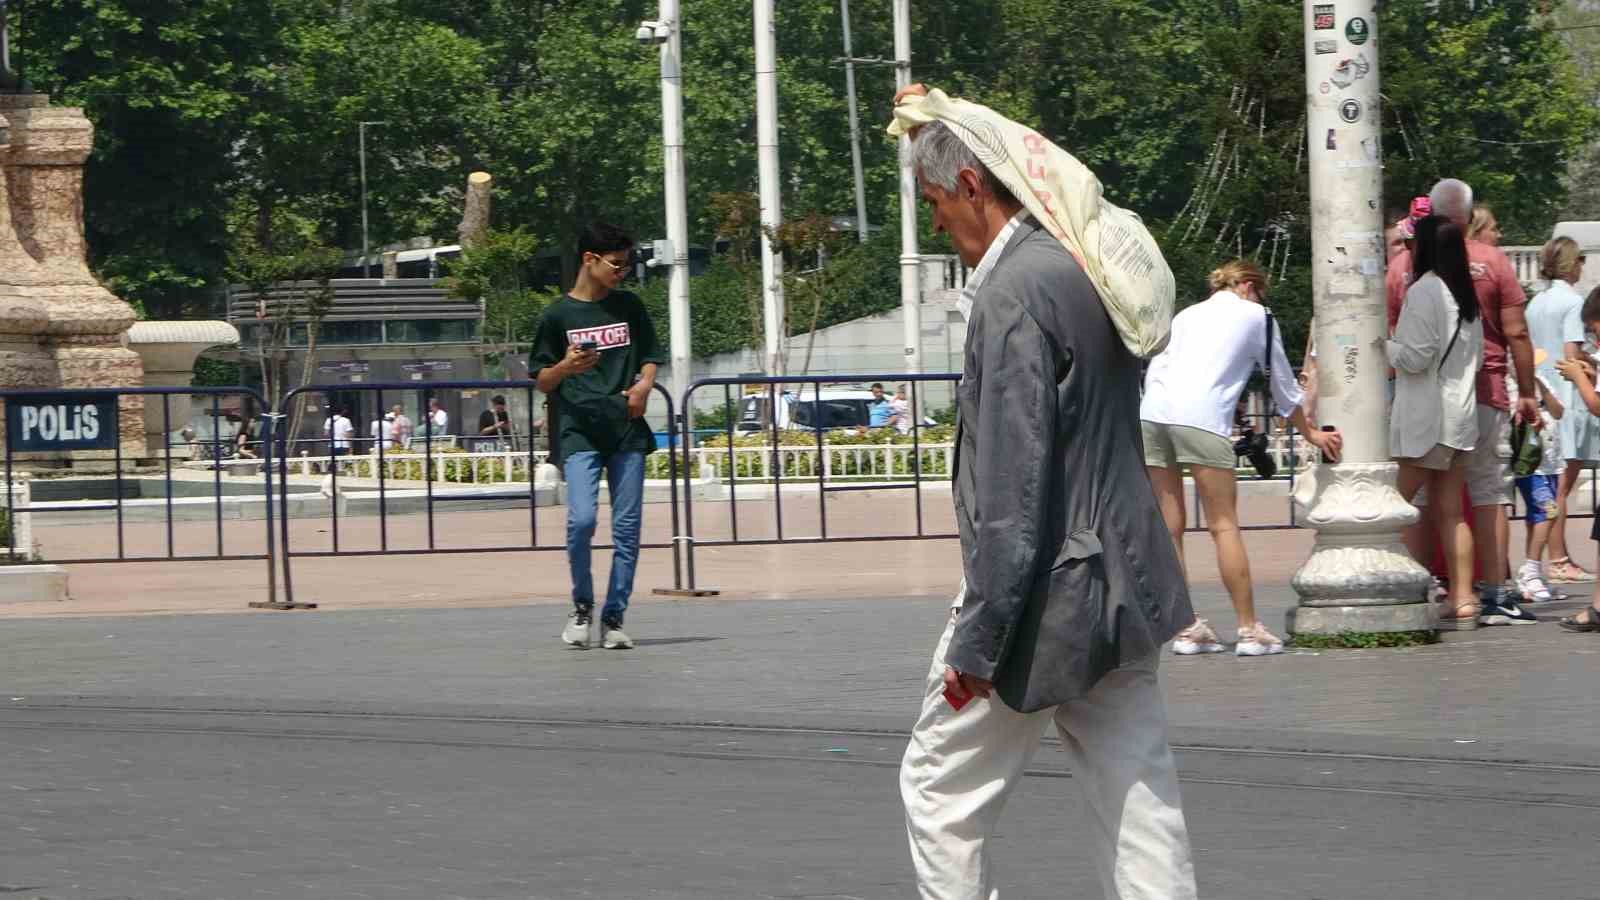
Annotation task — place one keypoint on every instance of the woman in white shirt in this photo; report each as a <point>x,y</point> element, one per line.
<point>1435,352</point>
<point>1555,325</point>
<point>1187,416</point>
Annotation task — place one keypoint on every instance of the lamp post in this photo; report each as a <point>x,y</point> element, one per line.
<point>772,299</point>
<point>366,245</point>
<point>668,34</point>
<point>910,261</point>
<point>855,128</point>
<point>1359,577</point>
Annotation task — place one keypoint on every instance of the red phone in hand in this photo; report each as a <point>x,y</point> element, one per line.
<point>956,702</point>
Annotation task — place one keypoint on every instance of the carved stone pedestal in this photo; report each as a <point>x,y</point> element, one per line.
<point>59,328</point>
<point>1359,576</point>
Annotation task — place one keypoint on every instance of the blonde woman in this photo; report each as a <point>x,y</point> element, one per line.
<point>1190,394</point>
<point>1483,227</point>
<point>1555,325</point>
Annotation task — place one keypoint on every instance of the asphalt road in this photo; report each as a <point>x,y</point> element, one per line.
<point>744,750</point>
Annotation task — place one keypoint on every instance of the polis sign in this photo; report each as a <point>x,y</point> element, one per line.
<point>54,422</point>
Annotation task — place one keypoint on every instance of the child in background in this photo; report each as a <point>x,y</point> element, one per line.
<point>1538,488</point>
<point>1581,373</point>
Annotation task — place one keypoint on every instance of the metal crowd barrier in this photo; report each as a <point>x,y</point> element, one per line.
<point>432,464</point>
<point>774,393</point>
<point>811,463</point>
<point>119,478</point>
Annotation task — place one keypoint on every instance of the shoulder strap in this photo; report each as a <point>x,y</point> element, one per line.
<point>1450,346</point>
<point>1266,365</point>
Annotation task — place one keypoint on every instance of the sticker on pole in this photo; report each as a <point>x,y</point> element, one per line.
<point>1322,17</point>
<point>1325,47</point>
<point>1350,111</point>
<point>1356,31</point>
<point>54,422</point>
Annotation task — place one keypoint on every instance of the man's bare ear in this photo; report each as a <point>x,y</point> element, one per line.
<point>971,184</point>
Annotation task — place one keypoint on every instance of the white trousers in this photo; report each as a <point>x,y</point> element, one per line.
<point>961,766</point>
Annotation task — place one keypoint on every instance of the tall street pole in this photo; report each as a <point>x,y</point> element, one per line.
<point>855,127</point>
<point>677,201</point>
<point>366,243</point>
<point>910,261</point>
<point>771,197</point>
<point>1359,577</point>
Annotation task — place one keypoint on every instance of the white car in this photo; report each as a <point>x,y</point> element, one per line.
<point>840,408</point>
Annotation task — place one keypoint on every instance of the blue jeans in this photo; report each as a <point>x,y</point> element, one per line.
<point>625,478</point>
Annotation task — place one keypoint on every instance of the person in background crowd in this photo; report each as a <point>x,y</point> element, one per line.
<point>1581,372</point>
<point>242,438</point>
<point>1483,228</point>
<point>1192,391</point>
<point>438,417</point>
<point>879,410</point>
<point>381,431</point>
<point>339,432</point>
<point>1555,324</point>
<point>400,428</point>
<point>900,410</point>
<point>494,425</point>
<point>1505,344</point>
<point>1539,487</point>
<point>1435,351</point>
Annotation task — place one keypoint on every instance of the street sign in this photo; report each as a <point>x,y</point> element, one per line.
<point>430,365</point>
<point>41,422</point>
<point>344,368</point>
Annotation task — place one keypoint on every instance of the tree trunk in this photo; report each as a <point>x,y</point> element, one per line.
<point>475,213</point>
<point>298,413</point>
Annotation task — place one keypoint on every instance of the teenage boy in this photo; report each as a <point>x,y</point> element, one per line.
<point>596,357</point>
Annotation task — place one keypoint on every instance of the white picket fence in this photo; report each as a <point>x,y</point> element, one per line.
<point>797,463</point>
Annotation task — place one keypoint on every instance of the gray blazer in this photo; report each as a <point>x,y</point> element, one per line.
<point>1070,570</point>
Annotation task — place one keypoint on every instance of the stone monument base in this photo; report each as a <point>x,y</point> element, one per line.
<point>1335,620</point>
<point>1359,576</point>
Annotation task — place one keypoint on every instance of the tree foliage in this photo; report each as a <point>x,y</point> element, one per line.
<point>226,123</point>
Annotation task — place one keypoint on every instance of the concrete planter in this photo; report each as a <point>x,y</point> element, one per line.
<point>33,584</point>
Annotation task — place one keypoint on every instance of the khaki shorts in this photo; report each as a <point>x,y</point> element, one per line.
<point>1166,446</point>
<point>1439,459</point>
<point>1489,479</point>
<point>1488,463</point>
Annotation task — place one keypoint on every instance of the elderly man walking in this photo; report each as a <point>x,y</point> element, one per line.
<point>1072,583</point>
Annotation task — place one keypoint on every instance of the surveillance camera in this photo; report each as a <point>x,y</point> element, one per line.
<point>650,33</point>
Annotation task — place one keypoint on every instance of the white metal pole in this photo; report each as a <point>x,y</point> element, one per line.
<point>772,300</point>
<point>366,244</point>
<point>910,261</point>
<point>1359,577</point>
<point>677,202</point>
<point>855,127</point>
<point>366,269</point>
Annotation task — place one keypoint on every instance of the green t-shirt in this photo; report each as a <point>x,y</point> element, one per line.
<point>592,410</point>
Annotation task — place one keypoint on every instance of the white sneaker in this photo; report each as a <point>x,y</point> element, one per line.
<point>1256,640</point>
<point>1531,584</point>
<point>1197,638</point>
<point>615,639</point>
<point>577,631</point>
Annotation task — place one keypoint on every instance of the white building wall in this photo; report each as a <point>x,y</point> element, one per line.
<point>871,345</point>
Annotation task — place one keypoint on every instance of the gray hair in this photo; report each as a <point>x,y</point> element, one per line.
<point>1452,198</point>
<point>938,155</point>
